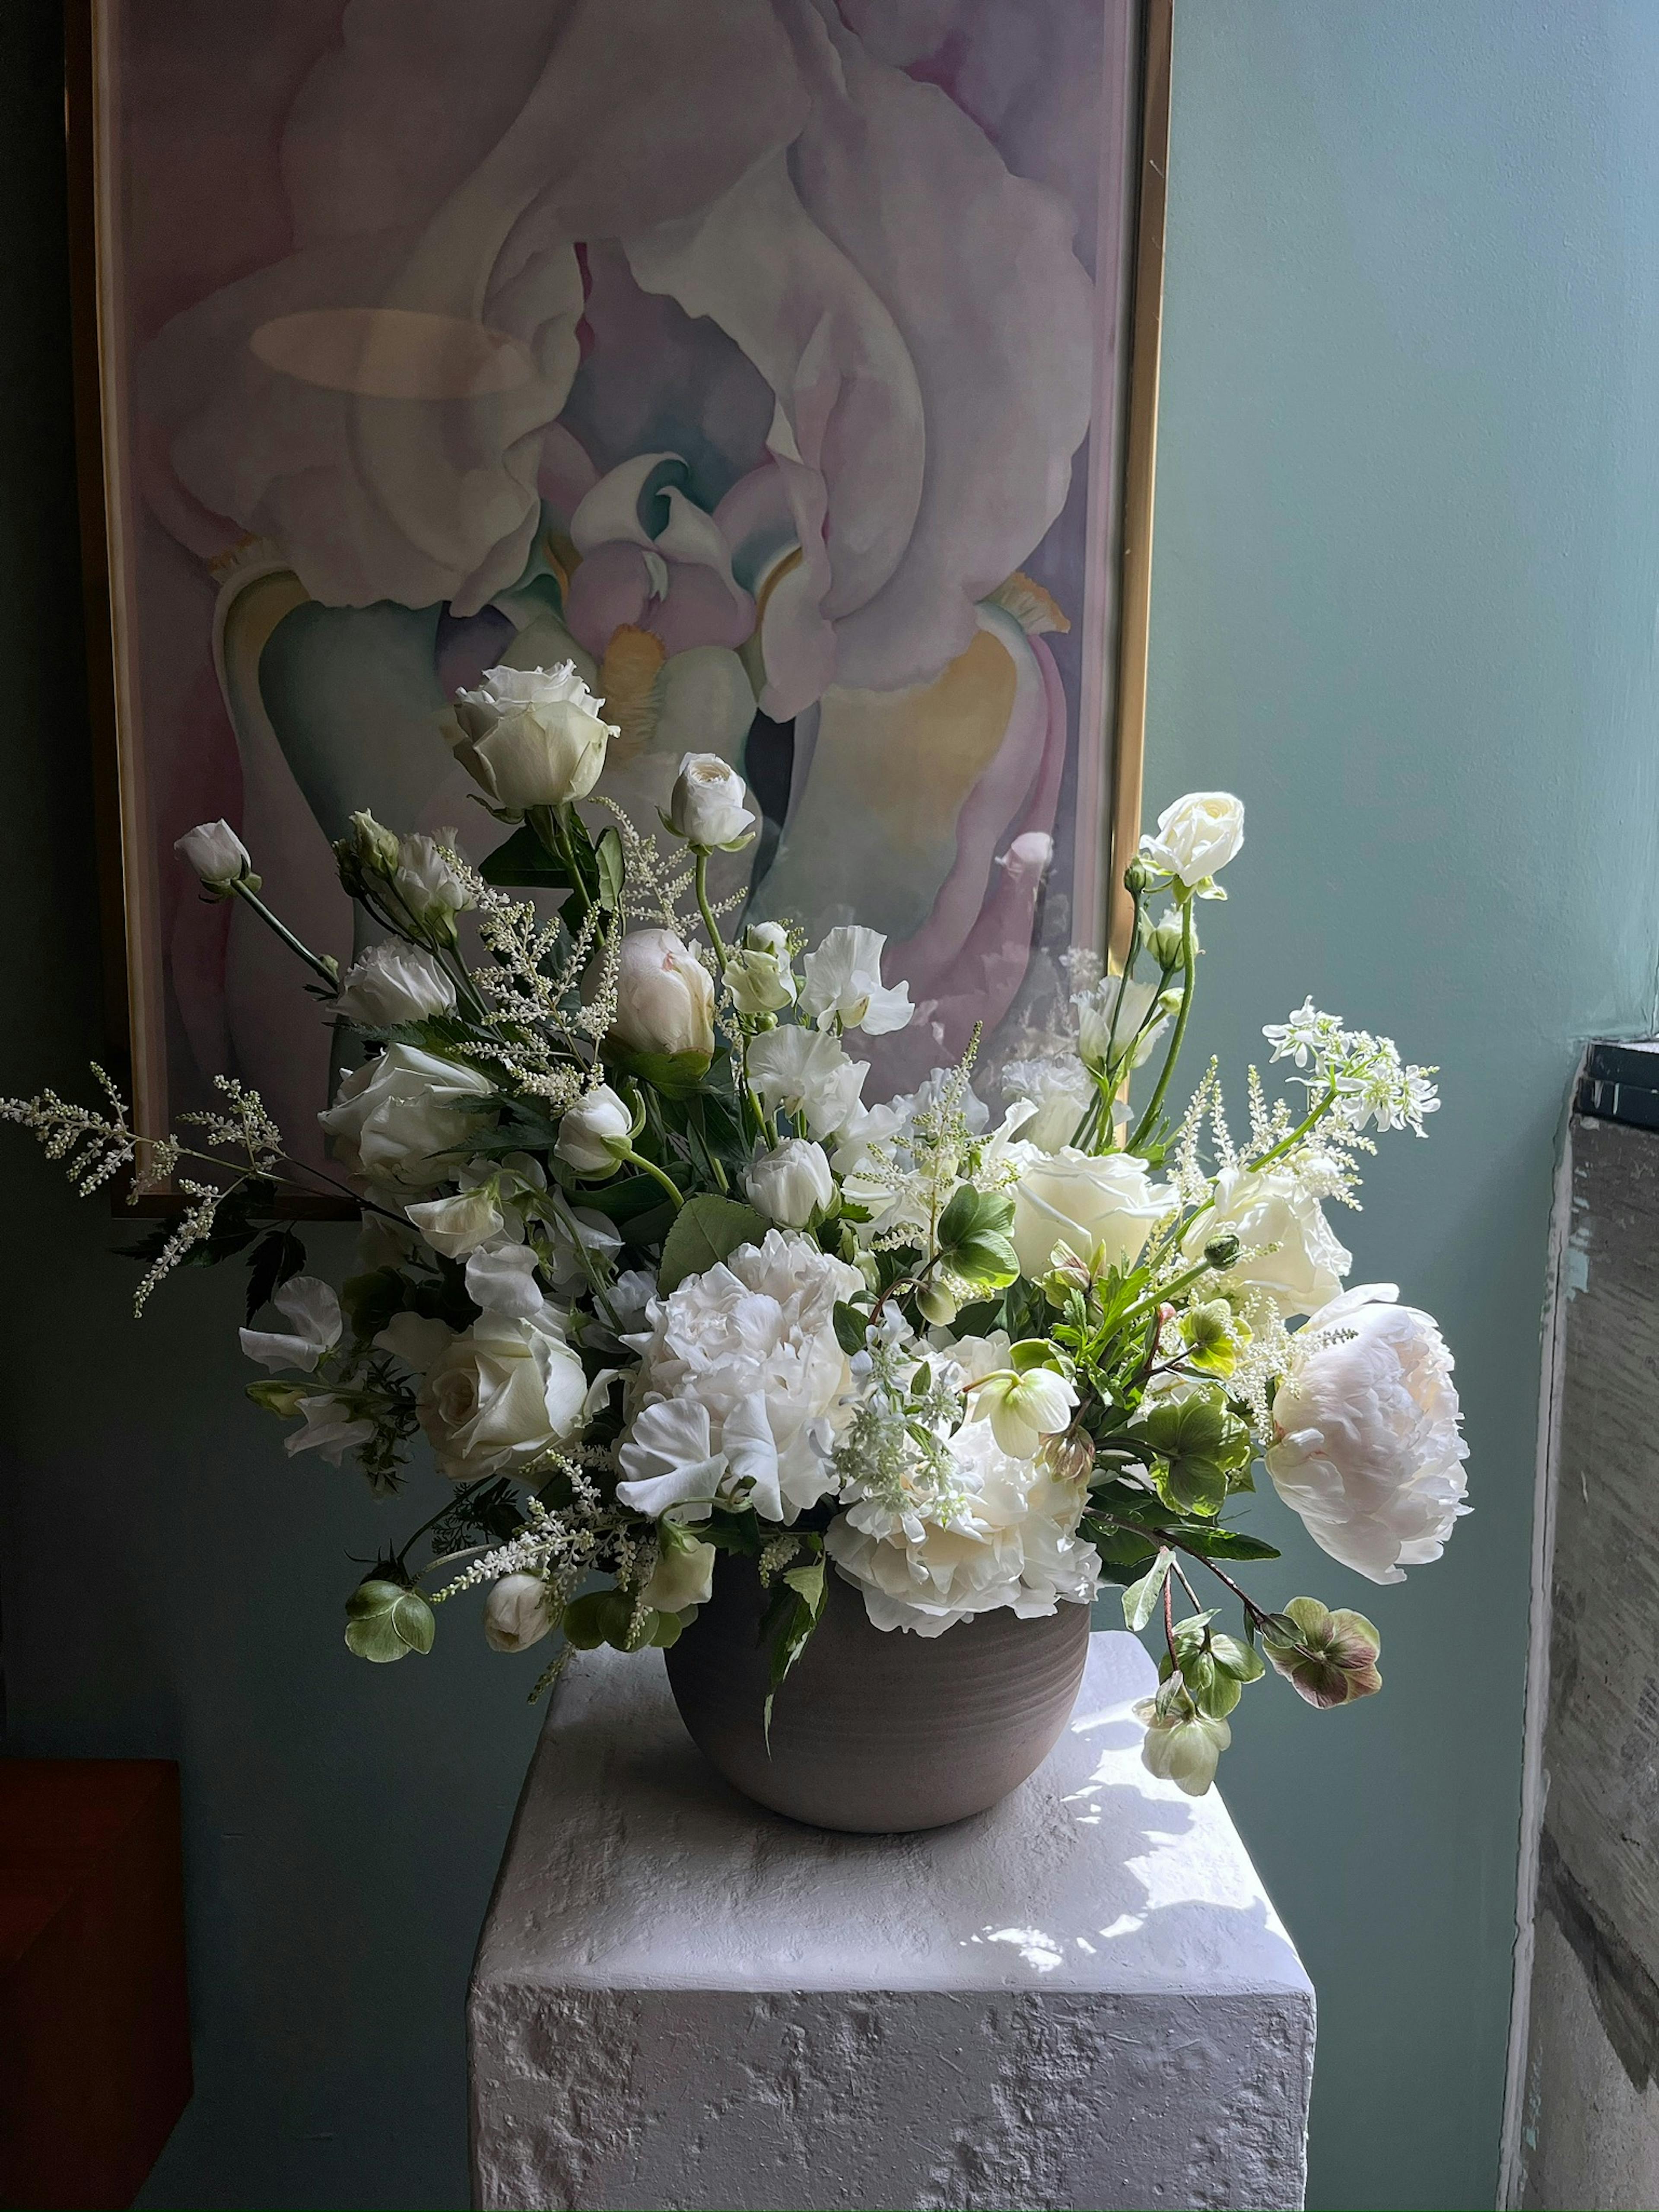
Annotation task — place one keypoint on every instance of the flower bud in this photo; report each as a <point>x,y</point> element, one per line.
<point>665,997</point>
<point>1164,944</point>
<point>280,1397</point>
<point>937,1306</point>
<point>218,857</point>
<point>684,1572</point>
<point>594,1133</point>
<point>706,805</point>
<point>532,737</point>
<point>792,1183</point>
<point>431,892</point>
<point>759,973</point>
<point>1221,1251</point>
<point>375,846</point>
<point>518,1613</point>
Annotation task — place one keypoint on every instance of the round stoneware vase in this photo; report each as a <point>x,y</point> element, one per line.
<point>876,1731</point>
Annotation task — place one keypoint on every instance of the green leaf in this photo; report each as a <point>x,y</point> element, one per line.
<point>524,862</point>
<point>705,1230</point>
<point>385,1621</point>
<point>278,1255</point>
<point>852,1328</point>
<point>601,1617</point>
<point>973,1237</point>
<point>1218,1695</point>
<point>1227,1544</point>
<point>1241,1660</point>
<point>1118,1547</point>
<point>613,870</point>
<point>1140,1599</point>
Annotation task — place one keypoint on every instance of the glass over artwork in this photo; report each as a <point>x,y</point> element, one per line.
<point>762,358</point>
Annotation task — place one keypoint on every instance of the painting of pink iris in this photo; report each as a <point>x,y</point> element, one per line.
<point>764,358</point>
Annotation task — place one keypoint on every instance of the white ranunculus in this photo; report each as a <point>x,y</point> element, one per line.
<point>594,1133</point>
<point>216,854</point>
<point>706,806</point>
<point>1197,836</point>
<point>684,1572</point>
<point>791,1183</point>
<point>1119,1022</point>
<point>806,1072</point>
<point>532,737</point>
<point>458,1225</point>
<point>1060,1091</point>
<point>1366,1444</point>
<point>665,997</point>
<point>759,973</point>
<point>500,1394</point>
<point>843,987</point>
<point>518,1613</point>
<point>1108,1203</point>
<point>1011,1540</point>
<point>398,1121</point>
<point>428,885</point>
<point>1305,1271</point>
<point>1023,1409</point>
<point>394,982</point>
<point>314,1311</point>
<point>739,1385</point>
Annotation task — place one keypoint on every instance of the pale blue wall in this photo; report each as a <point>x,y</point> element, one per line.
<point>1408,569</point>
<point>1408,557</point>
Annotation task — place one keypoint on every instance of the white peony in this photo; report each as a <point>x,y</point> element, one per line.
<point>392,984</point>
<point>760,974</point>
<point>216,854</point>
<point>665,997</point>
<point>1060,1093</point>
<point>1197,836</point>
<point>518,1613</point>
<point>843,987</point>
<point>1107,1203</point>
<point>398,1121</point>
<point>739,1381</point>
<point>532,737</point>
<point>1009,1539</point>
<point>1305,1270</point>
<point>1367,1449</point>
<point>790,1183</point>
<point>501,1394</point>
<point>706,805</point>
<point>595,1133</point>
<point>804,1072</point>
<point>314,1311</point>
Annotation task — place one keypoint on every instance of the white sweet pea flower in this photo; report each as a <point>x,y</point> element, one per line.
<point>1105,1205</point>
<point>1366,1445</point>
<point>843,987</point>
<point>532,737</point>
<point>759,973</point>
<point>1197,836</point>
<point>790,1183</point>
<point>806,1072</point>
<point>518,1613</point>
<point>501,1394</point>
<point>217,855</point>
<point>684,1572</point>
<point>1059,1092</point>
<point>706,806</point>
<point>595,1133</point>
<point>1304,1269</point>
<point>665,997</point>
<point>398,1121</point>
<point>332,1426</point>
<point>458,1225</point>
<point>670,1460</point>
<point>501,1277</point>
<point>1119,1022</point>
<point>415,1340</point>
<point>394,982</point>
<point>312,1306</point>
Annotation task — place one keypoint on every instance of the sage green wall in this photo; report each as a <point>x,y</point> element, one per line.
<point>1408,555</point>
<point>1408,559</point>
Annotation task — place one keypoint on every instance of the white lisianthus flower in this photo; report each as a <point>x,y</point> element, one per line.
<point>1059,1092</point>
<point>398,1121</point>
<point>314,1311</point>
<point>217,855</point>
<point>532,737</point>
<point>706,805</point>
<point>595,1133</point>
<point>1305,1270</point>
<point>740,1383</point>
<point>790,1183</point>
<point>428,885</point>
<point>1366,1445</point>
<point>1106,1205</point>
<point>500,1394</point>
<point>665,997</point>
<point>759,973</point>
<point>1023,1409</point>
<point>1119,1021</point>
<point>518,1613</point>
<point>684,1572</point>
<point>843,987</point>
<point>806,1071</point>
<point>1197,836</point>
<point>1007,1538</point>
<point>394,982</point>
<point>1182,1749</point>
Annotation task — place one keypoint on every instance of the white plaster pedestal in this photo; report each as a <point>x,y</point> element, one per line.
<point>1082,1998</point>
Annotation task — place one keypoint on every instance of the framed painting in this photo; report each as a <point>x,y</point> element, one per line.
<point>789,366</point>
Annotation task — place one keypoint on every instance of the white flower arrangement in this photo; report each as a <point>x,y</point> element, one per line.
<point>655,1283</point>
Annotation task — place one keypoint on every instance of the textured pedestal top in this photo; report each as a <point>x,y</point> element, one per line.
<point>633,1866</point>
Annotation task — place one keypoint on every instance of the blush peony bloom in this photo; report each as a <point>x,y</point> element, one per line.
<point>1367,1449</point>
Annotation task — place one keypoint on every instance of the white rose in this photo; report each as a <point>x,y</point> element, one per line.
<point>394,982</point>
<point>501,1394</point>
<point>1111,1019</point>
<point>1305,1271</point>
<point>706,805</point>
<point>1108,1203</point>
<point>1060,1093</point>
<point>216,854</point>
<point>398,1121</point>
<point>759,973</point>
<point>665,997</point>
<point>684,1572</point>
<point>428,885</point>
<point>314,1311</point>
<point>532,737</point>
<point>843,987</point>
<point>791,1183</point>
<point>518,1613</point>
<point>594,1133</point>
<point>807,1073</point>
<point>1197,836</point>
<point>1366,1445</point>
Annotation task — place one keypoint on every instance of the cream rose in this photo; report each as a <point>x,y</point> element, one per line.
<point>665,997</point>
<point>1304,1269</point>
<point>1107,1204</point>
<point>706,805</point>
<point>501,1394</point>
<point>532,737</point>
<point>1197,836</point>
<point>398,1121</point>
